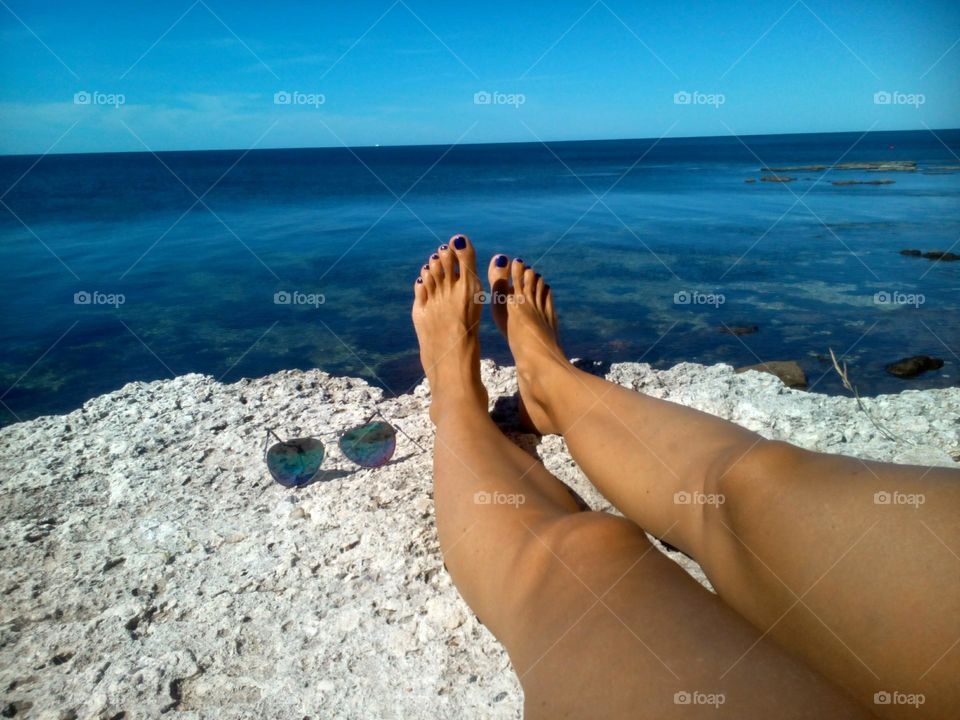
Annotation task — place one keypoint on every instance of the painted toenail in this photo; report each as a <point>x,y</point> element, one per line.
<point>501,261</point>
<point>537,276</point>
<point>444,247</point>
<point>434,257</point>
<point>460,242</point>
<point>426,267</point>
<point>518,260</point>
<point>420,281</point>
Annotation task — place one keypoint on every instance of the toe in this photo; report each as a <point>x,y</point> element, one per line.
<point>529,284</point>
<point>449,261</point>
<point>419,293</point>
<point>540,292</point>
<point>429,284</point>
<point>498,273</point>
<point>499,276</point>
<point>465,253</point>
<point>549,310</point>
<point>436,269</point>
<point>516,274</point>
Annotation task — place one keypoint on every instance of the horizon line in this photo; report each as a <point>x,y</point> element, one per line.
<point>341,146</point>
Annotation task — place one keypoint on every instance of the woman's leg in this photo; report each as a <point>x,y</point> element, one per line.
<point>597,623</point>
<point>868,593</point>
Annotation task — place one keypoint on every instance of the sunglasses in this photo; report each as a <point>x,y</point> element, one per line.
<point>296,462</point>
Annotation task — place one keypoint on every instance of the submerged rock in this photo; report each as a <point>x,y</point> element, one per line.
<point>789,372</point>
<point>863,182</point>
<point>739,329</point>
<point>912,253</point>
<point>870,165</point>
<point>777,178</point>
<point>941,255</point>
<point>912,366</point>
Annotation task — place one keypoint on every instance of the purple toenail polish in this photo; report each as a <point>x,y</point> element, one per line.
<point>420,281</point>
<point>501,261</point>
<point>518,260</point>
<point>444,247</point>
<point>434,257</point>
<point>459,242</point>
<point>537,276</point>
<point>426,267</point>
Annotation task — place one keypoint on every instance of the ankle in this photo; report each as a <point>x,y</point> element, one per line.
<point>551,384</point>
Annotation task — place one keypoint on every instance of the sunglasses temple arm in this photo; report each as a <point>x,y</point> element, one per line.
<point>380,414</point>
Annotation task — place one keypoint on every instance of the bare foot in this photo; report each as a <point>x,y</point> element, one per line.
<point>523,310</point>
<point>446,316</point>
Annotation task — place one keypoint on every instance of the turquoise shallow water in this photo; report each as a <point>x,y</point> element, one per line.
<point>640,241</point>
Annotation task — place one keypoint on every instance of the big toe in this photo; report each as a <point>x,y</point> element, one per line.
<point>465,253</point>
<point>499,276</point>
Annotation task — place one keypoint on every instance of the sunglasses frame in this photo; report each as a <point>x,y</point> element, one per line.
<point>320,438</point>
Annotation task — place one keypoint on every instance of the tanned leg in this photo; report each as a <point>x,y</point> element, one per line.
<point>596,622</point>
<point>868,593</point>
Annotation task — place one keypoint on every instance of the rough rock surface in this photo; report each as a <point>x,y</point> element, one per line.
<point>150,566</point>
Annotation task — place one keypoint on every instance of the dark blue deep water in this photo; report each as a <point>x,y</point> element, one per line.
<point>619,228</point>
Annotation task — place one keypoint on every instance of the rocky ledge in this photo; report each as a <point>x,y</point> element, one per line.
<point>151,567</point>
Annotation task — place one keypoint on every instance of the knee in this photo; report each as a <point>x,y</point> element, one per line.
<point>761,465</point>
<point>570,550</point>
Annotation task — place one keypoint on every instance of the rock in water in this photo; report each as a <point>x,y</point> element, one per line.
<point>789,372</point>
<point>739,329</point>
<point>941,255</point>
<point>912,366</point>
<point>911,253</point>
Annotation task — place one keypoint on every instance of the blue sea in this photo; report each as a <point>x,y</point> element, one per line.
<point>135,266</point>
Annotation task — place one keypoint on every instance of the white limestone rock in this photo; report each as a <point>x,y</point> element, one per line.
<point>150,566</point>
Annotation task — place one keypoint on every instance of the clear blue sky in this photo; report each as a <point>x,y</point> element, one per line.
<point>197,75</point>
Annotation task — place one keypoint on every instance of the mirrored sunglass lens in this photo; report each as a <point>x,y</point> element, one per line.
<point>295,463</point>
<point>370,445</point>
